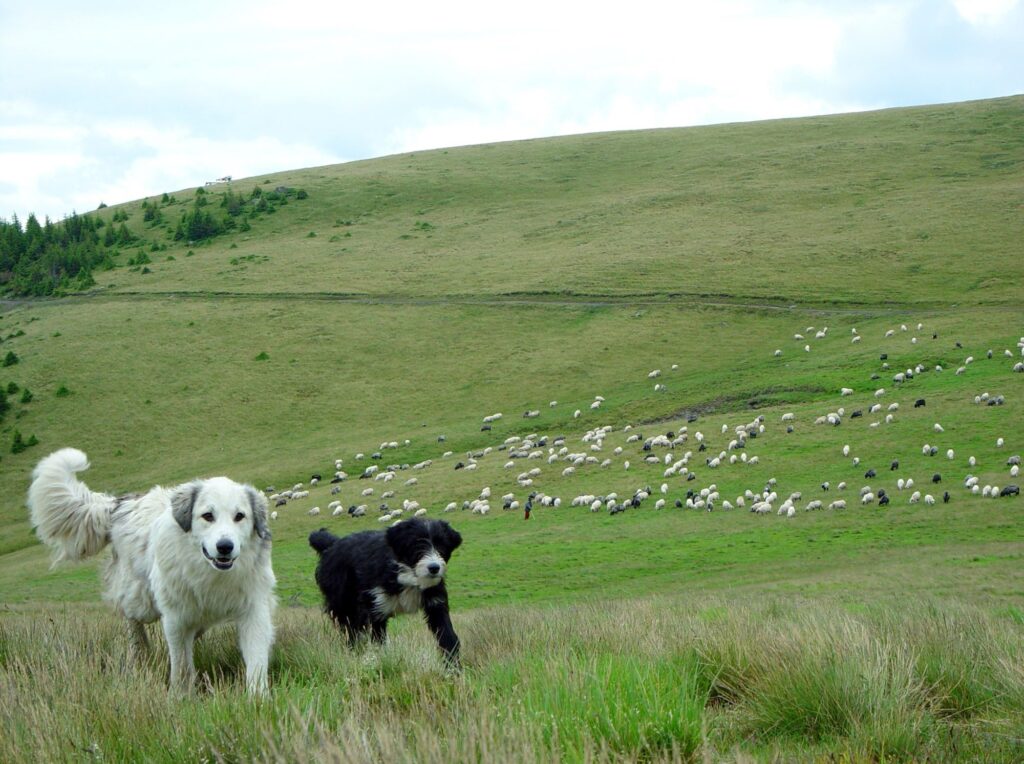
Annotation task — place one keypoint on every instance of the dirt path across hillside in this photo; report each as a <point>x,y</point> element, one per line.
<point>519,299</point>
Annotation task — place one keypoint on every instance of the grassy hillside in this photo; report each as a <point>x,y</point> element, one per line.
<point>917,205</point>
<point>407,298</point>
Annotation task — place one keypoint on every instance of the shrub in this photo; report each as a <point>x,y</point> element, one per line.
<point>19,444</point>
<point>11,358</point>
<point>62,392</point>
<point>26,396</point>
<point>263,356</point>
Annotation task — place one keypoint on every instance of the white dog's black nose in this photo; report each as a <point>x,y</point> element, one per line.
<point>433,568</point>
<point>225,547</point>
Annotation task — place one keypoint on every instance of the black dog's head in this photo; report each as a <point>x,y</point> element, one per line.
<point>422,549</point>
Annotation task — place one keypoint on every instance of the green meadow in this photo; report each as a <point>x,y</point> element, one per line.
<point>406,298</point>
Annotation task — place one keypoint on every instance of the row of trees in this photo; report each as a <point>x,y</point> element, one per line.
<point>50,258</point>
<point>42,259</point>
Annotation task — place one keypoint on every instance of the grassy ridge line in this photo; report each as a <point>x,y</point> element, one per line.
<point>908,205</point>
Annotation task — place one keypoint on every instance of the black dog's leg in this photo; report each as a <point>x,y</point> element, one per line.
<point>435,608</point>
<point>353,635</point>
<point>379,631</point>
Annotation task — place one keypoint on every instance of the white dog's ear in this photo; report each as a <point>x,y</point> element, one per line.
<point>182,501</point>
<point>258,502</point>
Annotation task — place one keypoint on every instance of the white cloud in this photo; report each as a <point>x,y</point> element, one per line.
<point>984,11</point>
<point>54,169</point>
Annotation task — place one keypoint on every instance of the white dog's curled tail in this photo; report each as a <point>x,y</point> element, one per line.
<point>69,518</point>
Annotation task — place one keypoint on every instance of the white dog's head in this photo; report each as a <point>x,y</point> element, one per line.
<point>224,516</point>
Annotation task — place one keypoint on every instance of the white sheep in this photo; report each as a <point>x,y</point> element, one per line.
<point>929,499</point>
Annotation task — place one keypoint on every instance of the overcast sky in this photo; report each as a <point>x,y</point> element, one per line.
<point>113,101</point>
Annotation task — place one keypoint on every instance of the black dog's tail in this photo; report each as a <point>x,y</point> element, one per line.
<point>321,540</point>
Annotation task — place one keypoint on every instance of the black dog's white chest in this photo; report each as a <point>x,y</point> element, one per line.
<point>385,604</point>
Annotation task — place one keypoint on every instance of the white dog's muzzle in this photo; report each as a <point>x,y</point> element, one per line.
<point>220,562</point>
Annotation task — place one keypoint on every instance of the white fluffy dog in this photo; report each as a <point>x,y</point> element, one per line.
<point>194,555</point>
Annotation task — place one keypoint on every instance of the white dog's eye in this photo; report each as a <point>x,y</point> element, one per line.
<point>208,516</point>
<point>239,517</point>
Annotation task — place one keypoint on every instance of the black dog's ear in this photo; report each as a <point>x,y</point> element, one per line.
<point>402,534</point>
<point>258,502</point>
<point>182,502</point>
<point>449,536</point>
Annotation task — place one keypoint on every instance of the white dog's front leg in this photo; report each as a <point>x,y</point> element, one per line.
<point>255,636</point>
<point>180,639</point>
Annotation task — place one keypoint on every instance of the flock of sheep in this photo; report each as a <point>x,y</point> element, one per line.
<point>535,463</point>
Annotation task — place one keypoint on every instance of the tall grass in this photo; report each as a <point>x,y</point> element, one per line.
<point>640,680</point>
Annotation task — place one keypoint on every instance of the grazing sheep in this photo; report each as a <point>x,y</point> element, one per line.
<point>838,504</point>
<point>915,497</point>
<point>1010,490</point>
<point>938,427</point>
<point>929,499</point>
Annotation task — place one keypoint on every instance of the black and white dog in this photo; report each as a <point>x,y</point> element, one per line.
<point>369,576</point>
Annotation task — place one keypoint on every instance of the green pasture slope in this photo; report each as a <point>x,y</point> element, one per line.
<point>408,297</point>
